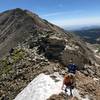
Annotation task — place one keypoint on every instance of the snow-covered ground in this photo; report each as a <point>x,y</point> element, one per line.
<point>42,87</point>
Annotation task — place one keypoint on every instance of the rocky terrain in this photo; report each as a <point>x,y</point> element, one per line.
<point>16,25</point>
<point>30,46</point>
<point>62,96</point>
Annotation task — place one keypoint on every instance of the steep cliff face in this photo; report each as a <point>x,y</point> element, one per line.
<point>36,46</point>
<point>59,47</point>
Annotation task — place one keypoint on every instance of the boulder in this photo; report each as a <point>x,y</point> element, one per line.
<point>59,48</point>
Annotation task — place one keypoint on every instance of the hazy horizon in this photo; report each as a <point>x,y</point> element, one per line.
<point>66,13</point>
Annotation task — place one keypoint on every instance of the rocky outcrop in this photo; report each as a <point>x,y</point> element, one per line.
<point>61,49</point>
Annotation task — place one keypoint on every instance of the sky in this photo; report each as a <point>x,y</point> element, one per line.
<point>65,13</point>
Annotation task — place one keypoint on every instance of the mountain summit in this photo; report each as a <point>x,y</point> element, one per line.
<point>17,25</point>
<point>30,45</point>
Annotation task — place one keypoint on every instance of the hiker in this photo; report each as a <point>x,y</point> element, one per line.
<point>72,68</point>
<point>68,82</point>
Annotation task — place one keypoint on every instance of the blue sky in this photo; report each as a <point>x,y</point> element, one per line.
<point>65,13</point>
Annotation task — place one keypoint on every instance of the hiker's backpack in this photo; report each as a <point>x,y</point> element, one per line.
<point>72,68</point>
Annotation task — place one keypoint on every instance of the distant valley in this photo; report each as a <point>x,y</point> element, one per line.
<point>91,35</point>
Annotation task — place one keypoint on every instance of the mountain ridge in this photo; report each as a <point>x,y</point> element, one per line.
<point>31,46</point>
<point>20,23</point>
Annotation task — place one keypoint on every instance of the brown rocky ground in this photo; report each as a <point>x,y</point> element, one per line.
<point>62,96</point>
<point>23,65</point>
<point>88,86</point>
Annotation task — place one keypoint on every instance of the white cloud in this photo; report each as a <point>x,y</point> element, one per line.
<point>72,18</point>
<point>77,21</point>
<point>54,14</point>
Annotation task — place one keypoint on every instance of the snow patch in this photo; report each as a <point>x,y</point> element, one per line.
<point>41,88</point>
<point>69,47</point>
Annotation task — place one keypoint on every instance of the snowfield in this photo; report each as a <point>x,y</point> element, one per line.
<point>42,87</point>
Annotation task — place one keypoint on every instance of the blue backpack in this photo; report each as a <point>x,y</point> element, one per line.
<point>72,68</point>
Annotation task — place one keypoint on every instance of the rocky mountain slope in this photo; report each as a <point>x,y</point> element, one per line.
<point>30,46</point>
<point>17,25</point>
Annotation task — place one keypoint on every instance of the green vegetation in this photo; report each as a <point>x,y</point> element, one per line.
<point>6,64</point>
<point>18,55</point>
<point>98,49</point>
